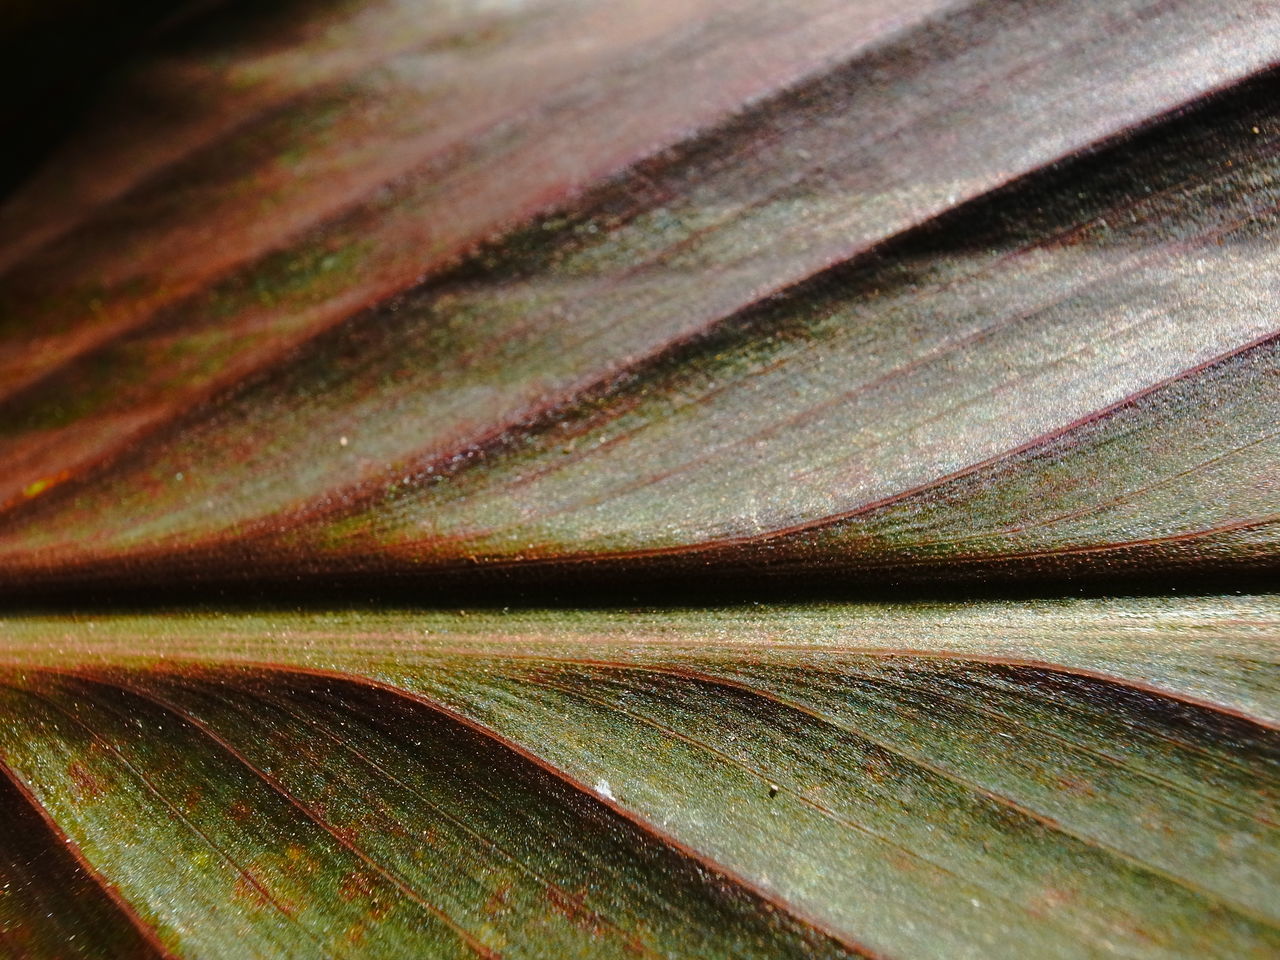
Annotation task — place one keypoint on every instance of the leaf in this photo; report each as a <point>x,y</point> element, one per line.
<point>455,362</point>
<point>488,415</point>
<point>267,847</point>
<point>917,779</point>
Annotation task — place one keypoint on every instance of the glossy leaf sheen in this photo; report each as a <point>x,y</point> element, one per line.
<point>619,380</point>
<point>1065,779</point>
<point>479,296</point>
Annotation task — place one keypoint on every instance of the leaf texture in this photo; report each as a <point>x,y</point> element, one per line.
<point>1068,778</point>
<point>765,338</point>
<point>557,302</point>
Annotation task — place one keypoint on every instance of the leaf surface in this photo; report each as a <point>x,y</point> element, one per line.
<point>767,333</point>
<point>606,312</point>
<point>1066,778</point>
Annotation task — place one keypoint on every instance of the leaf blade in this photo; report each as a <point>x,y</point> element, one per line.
<point>375,465</point>
<point>807,750</point>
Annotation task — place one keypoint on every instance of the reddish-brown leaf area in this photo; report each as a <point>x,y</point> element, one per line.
<point>519,391</point>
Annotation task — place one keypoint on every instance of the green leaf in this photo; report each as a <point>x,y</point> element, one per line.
<point>917,779</point>
<point>454,362</point>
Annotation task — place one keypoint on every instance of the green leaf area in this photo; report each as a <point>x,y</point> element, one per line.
<point>1067,778</point>
<point>656,478</point>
